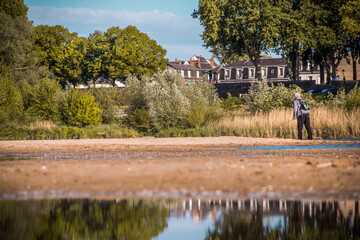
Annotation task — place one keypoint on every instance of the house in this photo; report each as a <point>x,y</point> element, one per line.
<point>272,69</point>
<point>193,69</point>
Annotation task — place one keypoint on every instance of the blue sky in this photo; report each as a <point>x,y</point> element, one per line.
<point>168,22</point>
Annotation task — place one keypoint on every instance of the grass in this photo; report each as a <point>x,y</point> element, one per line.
<point>48,130</point>
<point>326,123</point>
<point>332,123</point>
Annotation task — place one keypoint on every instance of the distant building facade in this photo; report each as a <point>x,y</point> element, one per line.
<point>192,70</point>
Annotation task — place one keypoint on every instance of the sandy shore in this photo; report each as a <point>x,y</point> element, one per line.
<point>177,167</point>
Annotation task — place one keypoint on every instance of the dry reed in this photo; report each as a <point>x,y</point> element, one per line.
<point>325,123</point>
<point>47,125</point>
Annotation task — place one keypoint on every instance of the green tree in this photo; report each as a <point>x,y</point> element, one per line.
<point>240,26</point>
<point>14,8</point>
<point>78,108</point>
<point>11,105</point>
<point>119,53</point>
<point>61,51</point>
<point>15,42</point>
<point>350,22</point>
<point>292,38</point>
<point>41,100</point>
<point>328,36</point>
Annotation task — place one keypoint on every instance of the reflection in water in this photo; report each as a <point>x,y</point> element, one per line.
<point>148,219</point>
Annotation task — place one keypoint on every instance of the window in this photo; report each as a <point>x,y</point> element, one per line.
<point>227,73</point>
<point>189,74</point>
<point>182,73</point>
<point>197,74</point>
<point>239,73</point>
<point>281,72</point>
<point>251,72</point>
<point>263,72</point>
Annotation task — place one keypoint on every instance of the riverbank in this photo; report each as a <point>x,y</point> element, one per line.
<point>177,167</point>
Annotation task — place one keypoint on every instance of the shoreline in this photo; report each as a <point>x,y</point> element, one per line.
<point>177,168</point>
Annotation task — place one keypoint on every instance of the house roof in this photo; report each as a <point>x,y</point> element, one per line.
<point>182,66</point>
<point>263,62</point>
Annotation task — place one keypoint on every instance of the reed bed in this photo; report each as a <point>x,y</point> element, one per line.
<point>326,123</point>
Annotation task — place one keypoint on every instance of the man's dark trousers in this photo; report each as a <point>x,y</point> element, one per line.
<point>301,120</point>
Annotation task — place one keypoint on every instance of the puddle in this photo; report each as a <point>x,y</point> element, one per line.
<point>179,219</point>
<point>350,146</point>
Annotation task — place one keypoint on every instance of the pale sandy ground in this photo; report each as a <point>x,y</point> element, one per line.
<point>178,167</point>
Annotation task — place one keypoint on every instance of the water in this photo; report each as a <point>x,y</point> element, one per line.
<point>291,147</point>
<point>179,219</point>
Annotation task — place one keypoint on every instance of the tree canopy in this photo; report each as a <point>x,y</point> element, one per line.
<point>320,31</point>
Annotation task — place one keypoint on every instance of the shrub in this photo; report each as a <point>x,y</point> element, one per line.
<point>107,98</point>
<point>169,100</point>
<point>79,108</point>
<point>140,118</point>
<point>11,104</point>
<point>352,101</point>
<point>265,97</point>
<point>41,101</point>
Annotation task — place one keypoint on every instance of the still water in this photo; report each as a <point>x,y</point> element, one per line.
<point>178,219</point>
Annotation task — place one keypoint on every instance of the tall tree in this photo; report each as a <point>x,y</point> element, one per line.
<point>351,25</point>
<point>14,8</point>
<point>241,26</point>
<point>329,38</point>
<point>61,51</point>
<point>118,53</point>
<point>292,38</point>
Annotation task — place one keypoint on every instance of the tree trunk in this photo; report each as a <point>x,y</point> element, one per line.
<point>354,62</point>
<point>322,75</point>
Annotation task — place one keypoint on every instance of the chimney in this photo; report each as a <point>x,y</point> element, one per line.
<point>192,63</point>
<point>176,60</point>
<point>212,64</point>
<point>199,64</point>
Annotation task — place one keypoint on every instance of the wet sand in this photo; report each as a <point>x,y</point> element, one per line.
<point>178,167</point>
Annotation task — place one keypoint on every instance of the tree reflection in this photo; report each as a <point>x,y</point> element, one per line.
<point>82,219</point>
<point>323,221</point>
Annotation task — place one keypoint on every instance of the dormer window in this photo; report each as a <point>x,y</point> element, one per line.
<point>281,72</point>
<point>251,72</point>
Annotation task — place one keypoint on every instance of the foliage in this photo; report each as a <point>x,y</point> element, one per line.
<point>265,97</point>
<point>14,8</point>
<point>61,51</point>
<point>11,105</point>
<point>168,99</point>
<point>352,101</point>
<point>108,100</point>
<point>242,27</point>
<point>118,53</point>
<point>48,130</point>
<point>40,100</point>
<point>140,118</point>
<point>78,108</point>
<point>15,41</point>
<point>231,103</point>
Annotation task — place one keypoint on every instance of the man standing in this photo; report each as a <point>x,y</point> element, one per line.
<point>302,116</point>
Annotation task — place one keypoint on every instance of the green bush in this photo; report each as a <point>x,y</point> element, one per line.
<point>11,104</point>
<point>231,103</point>
<point>169,100</point>
<point>78,108</point>
<point>352,100</point>
<point>41,100</point>
<point>108,100</point>
<point>265,97</point>
<point>140,118</point>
